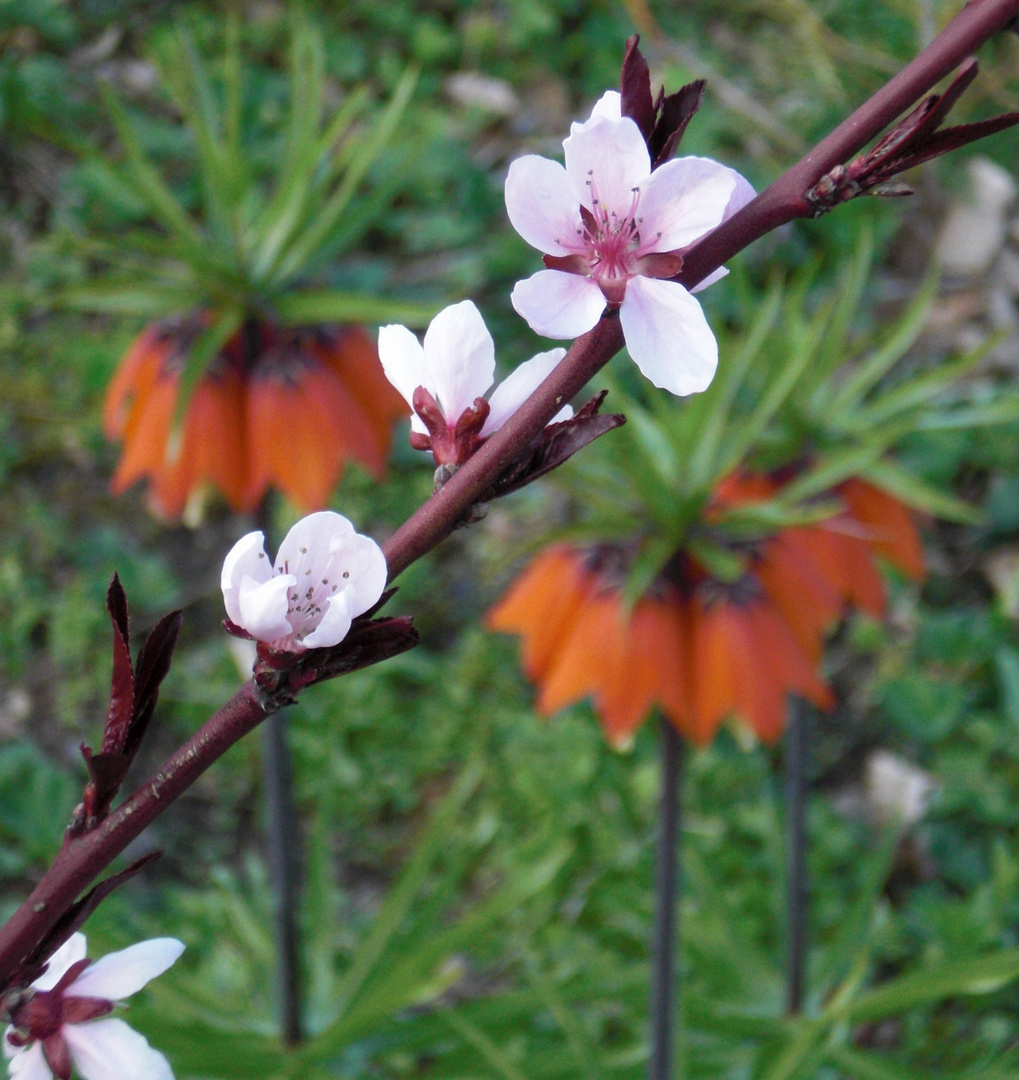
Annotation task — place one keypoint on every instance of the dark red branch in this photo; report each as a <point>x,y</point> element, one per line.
<point>84,858</point>
<point>786,199</point>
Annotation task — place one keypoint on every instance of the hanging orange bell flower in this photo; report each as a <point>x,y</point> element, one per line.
<point>699,649</point>
<point>699,655</point>
<point>278,407</point>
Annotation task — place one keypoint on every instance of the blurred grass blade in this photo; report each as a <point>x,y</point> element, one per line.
<point>866,1066</point>
<point>854,929</point>
<point>714,429</point>
<point>951,979</point>
<point>136,300</point>
<point>849,297</point>
<point>411,977</point>
<point>834,467</point>
<point>893,478</point>
<point>328,215</point>
<point>496,1058</point>
<point>301,308</point>
<point>148,184</point>
<point>402,896</point>
<point>298,192</point>
<point>580,1045</point>
<point>903,336</point>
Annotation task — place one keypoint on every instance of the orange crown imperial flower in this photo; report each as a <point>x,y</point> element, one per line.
<point>699,649</point>
<point>283,407</point>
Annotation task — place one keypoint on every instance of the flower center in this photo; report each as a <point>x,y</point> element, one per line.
<point>307,599</point>
<point>612,240</point>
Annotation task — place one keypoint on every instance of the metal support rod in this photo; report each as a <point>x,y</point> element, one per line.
<point>796,851</point>
<point>664,976</point>
<point>283,851</point>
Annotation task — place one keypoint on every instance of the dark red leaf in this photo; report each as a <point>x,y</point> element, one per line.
<point>635,88</point>
<point>280,676</point>
<point>676,113</point>
<point>556,445</point>
<point>153,665</point>
<point>118,716</point>
<point>72,920</point>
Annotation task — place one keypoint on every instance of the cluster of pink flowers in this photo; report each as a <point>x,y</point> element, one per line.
<point>613,229</point>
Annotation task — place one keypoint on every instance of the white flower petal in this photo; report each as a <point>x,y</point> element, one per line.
<point>71,952</point>
<point>246,559</point>
<point>609,156</point>
<point>565,413</point>
<point>263,607</point>
<point>121,974</point>
<point>10,1050</point>
<point>29,1063</point>
<point>308,544</point>
<point>682,200</point>
<point>668,336</point>
<point>715,275</point>
<point>403,361</point>
<point>460,355</point>
<point>108,1049</point>
<point>335,623</point>
<point>742,193</point>
<point>362,559</point>
<point>608,107</point>
<point>541,205</point>
<point>558,305</point>
<point>518,386</point>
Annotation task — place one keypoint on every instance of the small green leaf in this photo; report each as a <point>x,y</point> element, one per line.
<point>304,308</point>
<point>874,368</point>
<point>933,984</point>
<point>913,491</point>
<point>866,1066</point>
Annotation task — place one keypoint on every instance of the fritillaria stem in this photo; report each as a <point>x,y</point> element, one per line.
<point>664,975</point>
<point>796,852</point>
<point>283,853</point>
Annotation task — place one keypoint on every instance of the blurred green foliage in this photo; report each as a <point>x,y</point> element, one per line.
<point>477,897</point>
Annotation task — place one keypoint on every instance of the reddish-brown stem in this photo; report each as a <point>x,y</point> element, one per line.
<point>81,860</point>
<point>784,200</point>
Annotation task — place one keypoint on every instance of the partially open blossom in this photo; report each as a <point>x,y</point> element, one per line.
<point>325,575</point>
<point>613,231</point>
<point>444,380</point>
<point>64,1020</point>
<point>700,649</point>
<point>278,407</point>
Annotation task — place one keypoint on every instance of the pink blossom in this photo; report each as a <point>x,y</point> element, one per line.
<point>613,231</point>
<point>444,381</point>
<point>64,1020</point>
<point>325,575</point>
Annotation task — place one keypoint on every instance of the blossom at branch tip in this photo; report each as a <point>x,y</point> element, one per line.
<point>63,1020</point>
<point>613,230</point>
<point>325,575</point>
<point>444,380</point>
